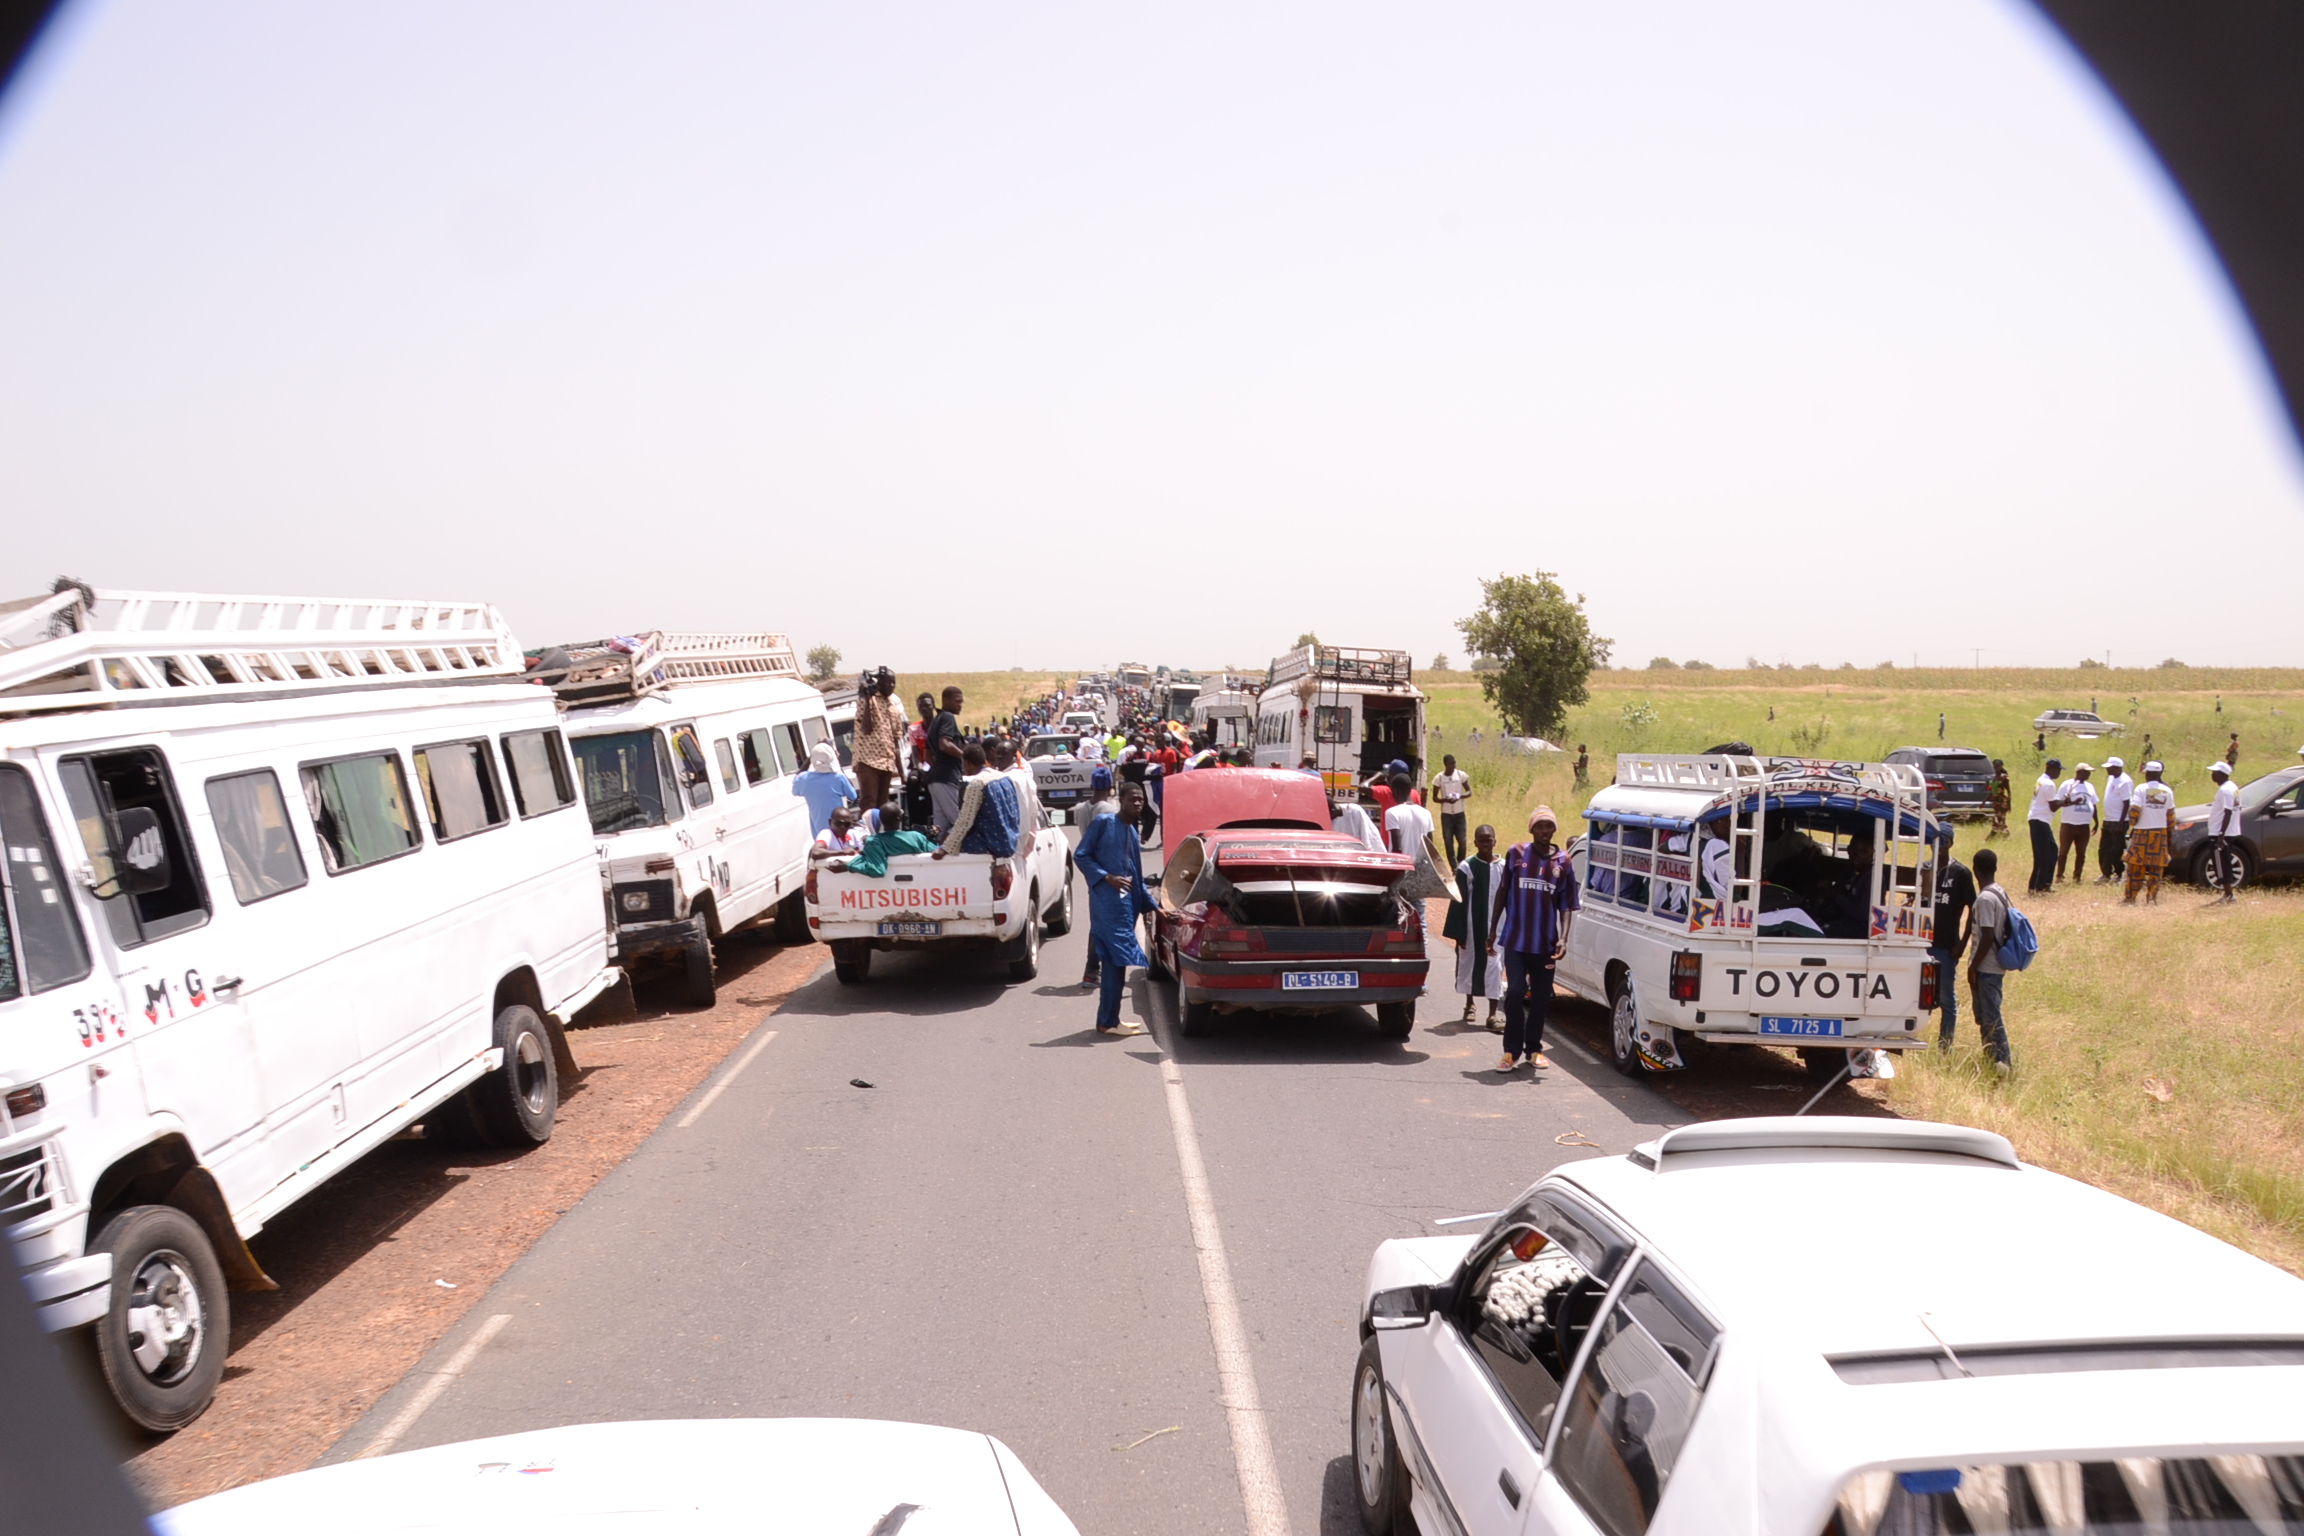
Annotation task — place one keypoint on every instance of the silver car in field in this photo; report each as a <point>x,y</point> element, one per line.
<point>2084,723</point>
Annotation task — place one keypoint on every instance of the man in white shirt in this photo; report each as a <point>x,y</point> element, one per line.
<point>1406,824</point>
<point>1450,789</point>
<point>2223,831</point>
<point>2078,818</point>
<point>2112,842</point>
<point>2151,814</point>
<point>2040,821</point>
<point>1347,817</point>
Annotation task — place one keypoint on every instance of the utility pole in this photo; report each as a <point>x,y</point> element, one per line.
<point>1979,651</point>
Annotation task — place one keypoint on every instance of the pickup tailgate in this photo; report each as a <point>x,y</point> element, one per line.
<point>920,897</point>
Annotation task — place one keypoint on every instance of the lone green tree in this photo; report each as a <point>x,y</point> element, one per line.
<point>1544,649</point>
<point>823,661</point>
<point>1307,638</point>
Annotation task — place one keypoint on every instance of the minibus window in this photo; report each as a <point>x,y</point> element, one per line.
<point>759,757</point>
<point>1332,723</point>
<point>689,767</point>
<point>99,788</point>
<point>789,755</point>
<point>729,778</point>
<point>41,945</point>
<point>622,787</point>
<point>251,817</point>
<point>360,810</point>
<point>460,791</point>
<point>539,765</point>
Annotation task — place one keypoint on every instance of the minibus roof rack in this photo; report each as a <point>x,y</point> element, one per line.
<point>626,667</point>
<point>80,647</point>
<point>1342,664</point>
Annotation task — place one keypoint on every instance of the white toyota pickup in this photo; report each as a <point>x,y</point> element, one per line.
<point>963,901</point>
<point>1058,770</point>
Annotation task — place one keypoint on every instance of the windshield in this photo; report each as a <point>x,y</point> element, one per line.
<point>2256,796</point>
<point>1051,746</point>
<point>623,782</point>
<point>2128,1496</point>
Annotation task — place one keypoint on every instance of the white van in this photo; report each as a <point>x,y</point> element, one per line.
<point>1750,901</point>
<point>1350,709</point>
<point>686,746</point>
<point>283,876</point>
<point>1226,715</point>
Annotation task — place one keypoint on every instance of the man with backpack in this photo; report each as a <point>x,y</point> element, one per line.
<point>1989,923</point>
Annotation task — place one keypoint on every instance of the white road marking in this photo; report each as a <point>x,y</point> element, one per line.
<point>1235,1374</point>
<point>429,1393</point>
<point>721,1086</point>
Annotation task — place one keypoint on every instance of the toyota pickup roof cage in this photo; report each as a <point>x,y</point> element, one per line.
<point>85,647</point>
<point>1746,784</point>
<point>1342,664</point>
<point>626,667</point>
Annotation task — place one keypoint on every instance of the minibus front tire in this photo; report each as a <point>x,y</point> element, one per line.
<point>697,989</point>
<point>162,1341</point>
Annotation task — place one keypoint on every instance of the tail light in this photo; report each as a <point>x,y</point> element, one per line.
<point>1935,786</point>
<point>810,898</point>
<point>1929,981</point>
<point>1687,975</point>
<point>1003,879</point>
<point>1224,941</point>
<point>1401,942</point>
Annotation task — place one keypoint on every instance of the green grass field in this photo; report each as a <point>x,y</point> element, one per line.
<point>2160,1050</point>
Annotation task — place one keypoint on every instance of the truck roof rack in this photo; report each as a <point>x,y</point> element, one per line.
<point>1342,664</point>
<point>82,647</point>
<point>626,667</point>
<point>1824,1134</point>
<point>1719,774</point>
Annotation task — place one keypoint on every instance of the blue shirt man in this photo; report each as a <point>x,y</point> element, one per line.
<point>1534,898</point>
<point>1111,860</point>
<point>823,786</point>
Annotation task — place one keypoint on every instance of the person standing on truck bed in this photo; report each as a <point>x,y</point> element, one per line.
<point>945,768</point>
<point>1535,902</point>
<point>2040,821</point>
<point>1112,862</point>
<point>1449,790</point>
<point>879,748</point>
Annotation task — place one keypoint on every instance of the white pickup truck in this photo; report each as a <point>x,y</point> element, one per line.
<point>962,901</point>
<point>1058,770</point>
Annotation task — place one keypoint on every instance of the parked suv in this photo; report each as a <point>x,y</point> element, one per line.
<point>1959,778</point>
<point>2271,840</point>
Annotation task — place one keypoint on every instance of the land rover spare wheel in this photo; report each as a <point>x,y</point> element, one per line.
<point>162,1341</point>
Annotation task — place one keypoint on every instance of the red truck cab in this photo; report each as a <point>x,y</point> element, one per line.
<point>1265,906</point>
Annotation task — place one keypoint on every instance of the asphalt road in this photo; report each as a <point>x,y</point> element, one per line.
<point>995,1234</point>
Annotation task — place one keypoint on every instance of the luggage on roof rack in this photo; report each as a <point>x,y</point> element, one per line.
<point>625,667</point>
<point>83,647</point>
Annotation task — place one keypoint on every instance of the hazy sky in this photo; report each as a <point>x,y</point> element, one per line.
<point>996,334</point>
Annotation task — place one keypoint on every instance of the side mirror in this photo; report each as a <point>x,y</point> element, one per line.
<point>1406,1306</point>
<point>139,853</point>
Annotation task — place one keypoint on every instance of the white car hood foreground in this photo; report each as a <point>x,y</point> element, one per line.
<point>794,1477</point>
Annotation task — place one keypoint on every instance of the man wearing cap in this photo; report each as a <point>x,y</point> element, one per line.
<point>2040,821</point>
<point>2078,816</point>
<point>2223,827</point>
<point>2112,844</point>
<point>1535,902</point>
<point>2151,812</point>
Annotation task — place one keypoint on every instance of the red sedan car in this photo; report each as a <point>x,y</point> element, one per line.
<point>1265,906</point>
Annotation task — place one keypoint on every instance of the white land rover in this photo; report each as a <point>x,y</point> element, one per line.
<point>1750,901</point>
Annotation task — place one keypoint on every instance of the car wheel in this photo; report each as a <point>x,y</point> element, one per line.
<point>162,1341</point>
<point>697,989</point>
<point>792,920</point>
<point>851,962</point>
<point>1376,1475</point>
<point>1823,1063</point>
<point>1026,963</point>
<point>1060,915</point>
<point>1624,1030</point>
<point>1193,1020</point>
<point>517,1102</point>
<point>1396,1021</point>
<point>2204,867</point>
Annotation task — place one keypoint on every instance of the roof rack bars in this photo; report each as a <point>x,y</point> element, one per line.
<point>96,648</point>
<point>626,667</point>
